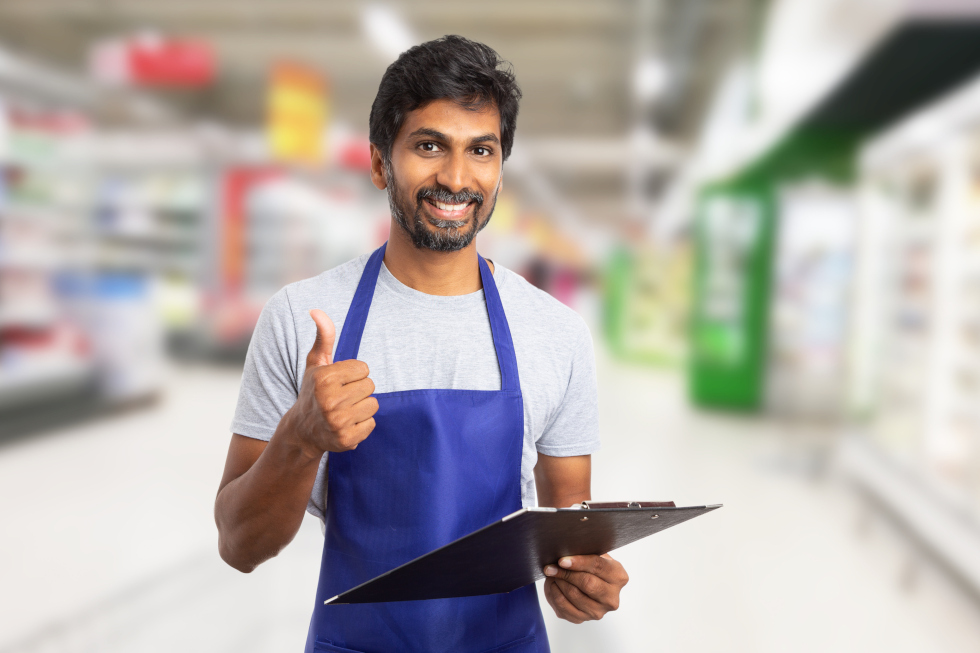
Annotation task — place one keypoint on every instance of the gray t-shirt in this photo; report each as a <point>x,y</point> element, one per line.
<point>415,341</point>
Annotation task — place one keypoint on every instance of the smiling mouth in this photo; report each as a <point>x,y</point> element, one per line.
<point>448,211</point>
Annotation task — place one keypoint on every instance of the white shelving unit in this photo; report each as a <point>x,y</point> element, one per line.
<point>921,456</point>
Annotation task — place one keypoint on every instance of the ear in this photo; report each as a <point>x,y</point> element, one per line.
<point>377,168</point>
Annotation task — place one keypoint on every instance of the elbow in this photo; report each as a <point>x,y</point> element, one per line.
<point>234,559</point>
<point>230,547</point>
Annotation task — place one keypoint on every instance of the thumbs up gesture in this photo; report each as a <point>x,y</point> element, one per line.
<point>335,409</point>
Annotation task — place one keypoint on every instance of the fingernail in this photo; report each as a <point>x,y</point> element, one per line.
<point>565,562</point>
<point>550,570</point>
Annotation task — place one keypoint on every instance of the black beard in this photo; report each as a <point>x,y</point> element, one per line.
<point>447,237</point>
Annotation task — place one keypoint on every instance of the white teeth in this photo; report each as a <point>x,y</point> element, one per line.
<point>449,207</point>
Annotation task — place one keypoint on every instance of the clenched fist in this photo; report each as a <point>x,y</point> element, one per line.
<point>335,409</point>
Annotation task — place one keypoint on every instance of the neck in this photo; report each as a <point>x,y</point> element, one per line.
<point>433,273</point>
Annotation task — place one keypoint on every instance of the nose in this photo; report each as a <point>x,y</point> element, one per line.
<point>453,174</point>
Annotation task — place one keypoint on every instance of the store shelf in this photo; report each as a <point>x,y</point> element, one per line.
<point>43,382</point>
<point>951,533</point>
<point>27,315</point>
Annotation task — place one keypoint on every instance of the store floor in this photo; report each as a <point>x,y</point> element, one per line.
<point>109,545</point>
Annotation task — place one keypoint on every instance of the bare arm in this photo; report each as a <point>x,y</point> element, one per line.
<point>580,588</point>
<point>562,482</point>
<point>262,498</point>
<point>266,485</point>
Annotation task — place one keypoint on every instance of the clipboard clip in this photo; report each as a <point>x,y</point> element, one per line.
<point>593,505</point>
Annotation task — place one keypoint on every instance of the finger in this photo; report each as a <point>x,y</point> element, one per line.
<point>589,584</point>
<point>581,601</point>
<point>322,351</point>
<point>550,592</point>
<point>356,391</point>
<point>562,606</point>
<point>345,372</point>
<point>347,395</point>
<point>359,432</point>
<point>364,410</point>
<point>604,566</point>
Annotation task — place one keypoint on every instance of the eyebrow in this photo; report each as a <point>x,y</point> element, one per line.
<point>432,133</point>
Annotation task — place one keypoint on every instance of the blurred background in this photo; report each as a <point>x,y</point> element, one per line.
<point>768,211</point>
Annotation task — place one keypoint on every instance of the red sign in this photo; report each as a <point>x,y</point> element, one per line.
<point>171,63</point>
<point>154,61</point>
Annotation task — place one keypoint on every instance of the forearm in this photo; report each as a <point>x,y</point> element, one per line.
<point>260,512</point>
<point>561,482</point>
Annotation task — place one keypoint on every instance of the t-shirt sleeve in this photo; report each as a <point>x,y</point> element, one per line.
<point>269,385</point>
<point>574,428</point>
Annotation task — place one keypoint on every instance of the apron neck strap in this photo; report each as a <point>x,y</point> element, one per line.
<point>502,341</point>
<point>350,336</point>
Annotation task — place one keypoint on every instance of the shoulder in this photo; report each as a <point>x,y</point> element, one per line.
<point>534,314</point>
<point>327,286</point>
<point>287,311</point>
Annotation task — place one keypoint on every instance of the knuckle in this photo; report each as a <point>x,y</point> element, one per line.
<point>335,421</point>
<point>590,585</point>
<point>331,402</point>
<point>319,376</point>
<point>597,565</point>
<point>371,386</point>
<point>363,368</point>
<point>571,591</point>
<point>346,443</point>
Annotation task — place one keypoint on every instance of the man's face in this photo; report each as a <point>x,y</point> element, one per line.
<point>444,174</point>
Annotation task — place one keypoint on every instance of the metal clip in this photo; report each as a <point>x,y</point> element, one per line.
<point>633,504</point>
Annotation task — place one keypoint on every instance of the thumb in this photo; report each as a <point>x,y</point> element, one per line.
<point>322,351</point>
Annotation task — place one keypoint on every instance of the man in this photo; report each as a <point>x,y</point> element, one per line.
<point>457,391</point>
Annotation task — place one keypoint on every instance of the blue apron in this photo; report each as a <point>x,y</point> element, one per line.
<point>438,465</point>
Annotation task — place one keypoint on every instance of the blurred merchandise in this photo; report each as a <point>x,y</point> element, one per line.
<point>926,172</point>
<point>735,233</point>
<point>45,351</point>
<point>126,336</point>
<point>297,114</point>
<point>810,301</point>
<point>647,295</point>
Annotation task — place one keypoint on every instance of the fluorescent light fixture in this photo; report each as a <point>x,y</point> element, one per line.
<point>650,78</point>
<point>386,30</point>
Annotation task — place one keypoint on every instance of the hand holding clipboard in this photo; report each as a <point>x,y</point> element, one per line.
<point>514,551</point>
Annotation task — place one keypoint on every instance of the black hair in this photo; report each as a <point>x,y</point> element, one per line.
<point>452,67</point>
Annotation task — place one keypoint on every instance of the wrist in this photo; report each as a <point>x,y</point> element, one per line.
<point>289,439</point>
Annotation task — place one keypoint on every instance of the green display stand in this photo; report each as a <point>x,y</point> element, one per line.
<point>917,61</point>
<point>734,237</point>
<point>735,232</point>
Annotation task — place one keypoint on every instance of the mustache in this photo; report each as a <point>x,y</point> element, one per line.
<point>446,196</point>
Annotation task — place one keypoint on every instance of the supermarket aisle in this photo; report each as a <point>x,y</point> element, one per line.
<point>118,555</point>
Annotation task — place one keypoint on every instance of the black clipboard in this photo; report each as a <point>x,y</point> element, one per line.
<point>511,553</point>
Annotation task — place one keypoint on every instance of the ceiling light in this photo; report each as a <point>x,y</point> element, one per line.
<point>386,30</point>
<point>650,78</point>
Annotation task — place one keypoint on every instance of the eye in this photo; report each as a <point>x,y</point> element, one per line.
<point>482,151</point>
<point>428,146</point>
